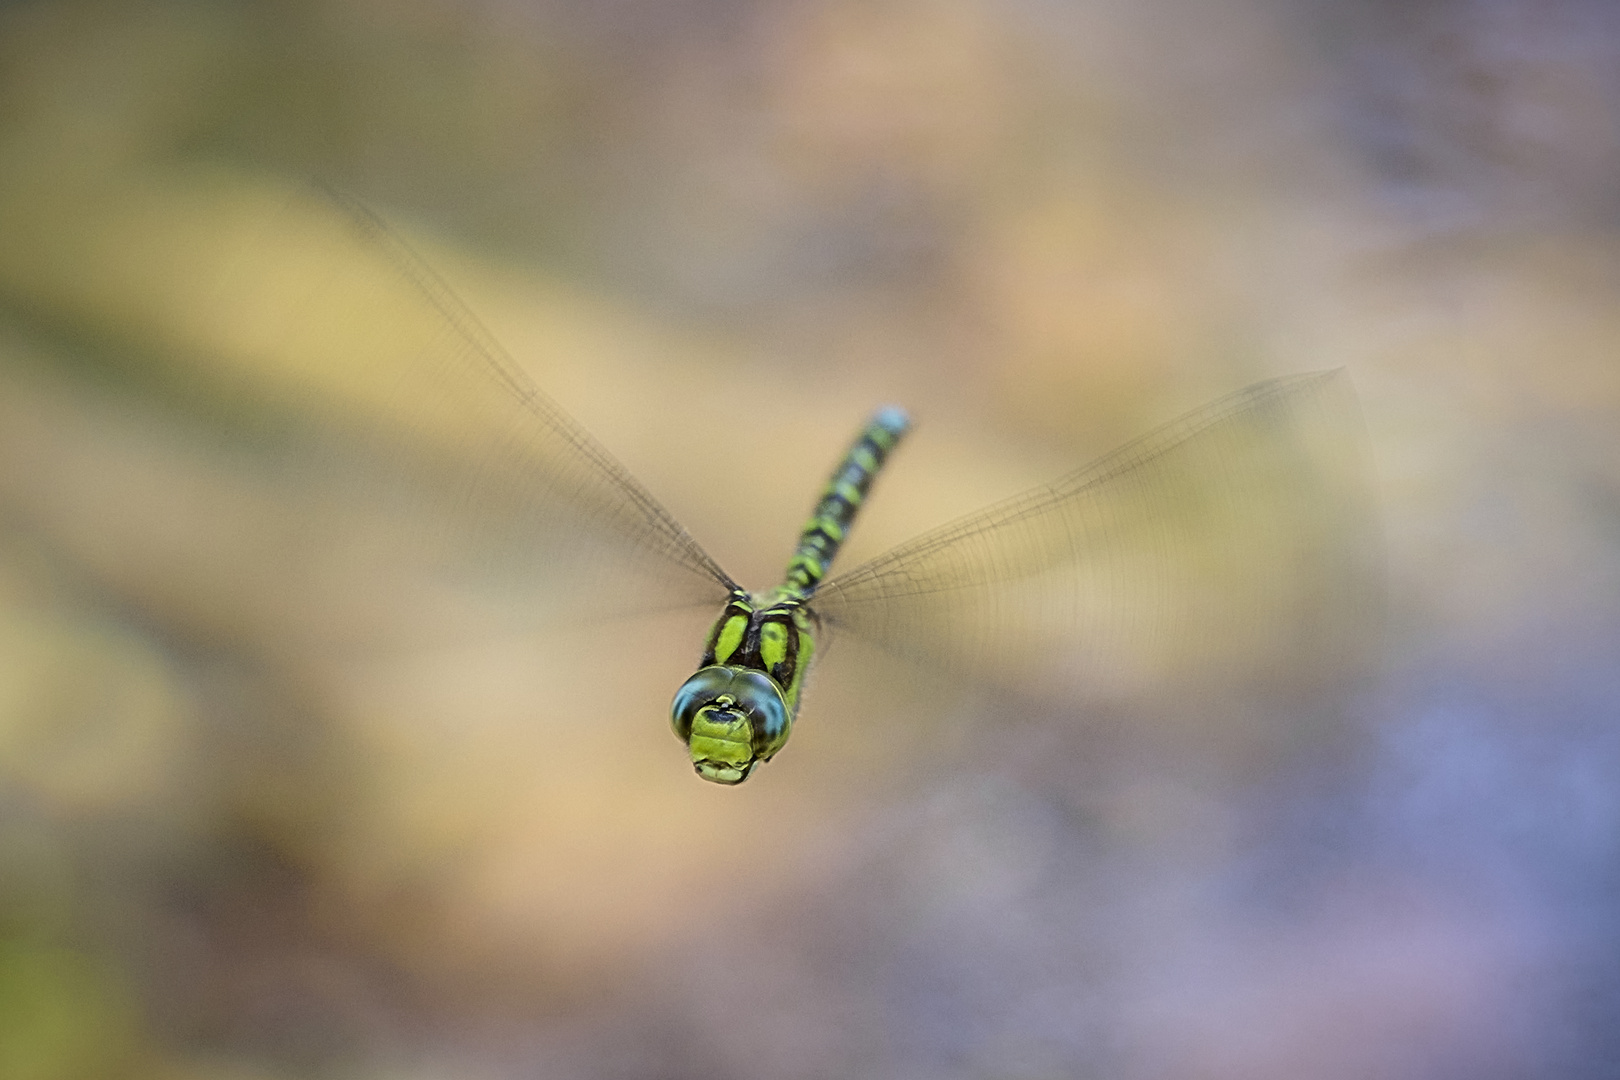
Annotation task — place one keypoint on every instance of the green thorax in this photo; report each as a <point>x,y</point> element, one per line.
<point>738,709</point>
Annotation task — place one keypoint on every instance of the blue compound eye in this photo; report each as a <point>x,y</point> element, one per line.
<point>701,689</point>
<point>721,691</point>
<point>761,700</point>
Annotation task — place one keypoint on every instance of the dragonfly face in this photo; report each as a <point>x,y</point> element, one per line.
<point>730,718</point>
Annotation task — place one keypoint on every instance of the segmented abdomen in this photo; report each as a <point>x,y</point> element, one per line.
<point>841,500</point>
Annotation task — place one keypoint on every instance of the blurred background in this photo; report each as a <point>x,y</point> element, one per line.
<point>235,846</point>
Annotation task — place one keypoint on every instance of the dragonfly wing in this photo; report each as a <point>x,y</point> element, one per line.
<point>1241,535</point>
<point>410,400</point>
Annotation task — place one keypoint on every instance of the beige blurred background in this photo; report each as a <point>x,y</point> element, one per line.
<point>234,846</point>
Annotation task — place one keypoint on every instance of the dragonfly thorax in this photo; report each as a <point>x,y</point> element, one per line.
<point>738,709</point>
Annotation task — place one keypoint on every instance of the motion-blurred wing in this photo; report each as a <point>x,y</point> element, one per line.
<point>422,412</point>
<point>1240,536</point>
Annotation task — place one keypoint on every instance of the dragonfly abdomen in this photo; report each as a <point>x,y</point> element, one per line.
<point>841,500</point>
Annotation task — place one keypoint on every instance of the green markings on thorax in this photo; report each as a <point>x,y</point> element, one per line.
<point>776,637</point>
<point>840,501</point>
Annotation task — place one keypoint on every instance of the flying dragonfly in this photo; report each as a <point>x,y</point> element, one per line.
<point>1239,529</point>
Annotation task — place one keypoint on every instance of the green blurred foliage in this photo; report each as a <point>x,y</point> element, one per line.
<point>63,1015</point>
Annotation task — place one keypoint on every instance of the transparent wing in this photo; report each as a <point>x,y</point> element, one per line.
<point>419,409</point>
<point>1241,535</point>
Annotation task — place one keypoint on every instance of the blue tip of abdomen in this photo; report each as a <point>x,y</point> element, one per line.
<point>892,418</point>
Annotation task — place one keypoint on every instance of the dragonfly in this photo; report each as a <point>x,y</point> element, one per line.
<point>1244,528</point>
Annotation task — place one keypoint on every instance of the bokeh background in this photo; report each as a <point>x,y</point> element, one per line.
<point>231,849</point>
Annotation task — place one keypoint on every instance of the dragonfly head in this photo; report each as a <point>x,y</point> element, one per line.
<point>730,719</point>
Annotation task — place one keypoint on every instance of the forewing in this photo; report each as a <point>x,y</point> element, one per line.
<point>1238,538</point>
<point>469,471</point>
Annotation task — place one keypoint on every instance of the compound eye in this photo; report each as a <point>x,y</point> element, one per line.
<point>751,693</point>
<point>702,689</point>
<point>760,699</point>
